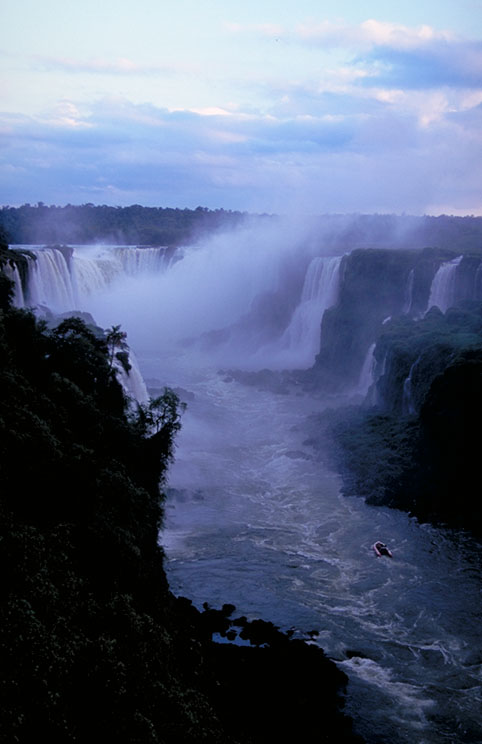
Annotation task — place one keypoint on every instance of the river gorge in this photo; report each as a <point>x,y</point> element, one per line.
<point>254,515</point>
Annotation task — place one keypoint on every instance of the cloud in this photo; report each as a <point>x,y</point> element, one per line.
<point>368,34</point>
<point>456,64</point>
<point>378,53</point>
<point>116,152</point>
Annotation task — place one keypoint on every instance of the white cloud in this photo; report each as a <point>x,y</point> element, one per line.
<point>380,159</point>
<point>371,33</point>
<point>367,34</point>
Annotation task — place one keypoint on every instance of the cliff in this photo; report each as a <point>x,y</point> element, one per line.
<point>413,442</point>
<point>375,285</point>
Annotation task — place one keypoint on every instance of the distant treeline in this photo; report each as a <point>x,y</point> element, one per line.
<point>138,225</point>
<point>134,225</point>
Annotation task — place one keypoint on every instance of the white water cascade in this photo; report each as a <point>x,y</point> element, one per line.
<point>50,281</point>
<point>62,282</point>
<point>408,406</point>
<point>13,273</point>
<point>208,289</point>
<point>132,381</point>
<point>442,291</point>
<point>300,342</point>
<point>407,305</point>
<point>366,379</point>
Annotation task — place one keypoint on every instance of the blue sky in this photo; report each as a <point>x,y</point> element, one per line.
<point>261,106</point>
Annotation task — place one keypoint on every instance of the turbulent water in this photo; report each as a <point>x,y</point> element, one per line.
<point>253,518</point>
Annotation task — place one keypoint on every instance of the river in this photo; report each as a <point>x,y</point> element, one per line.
<point>254,519</point>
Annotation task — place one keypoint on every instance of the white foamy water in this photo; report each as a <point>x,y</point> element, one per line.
<point>442,291</point>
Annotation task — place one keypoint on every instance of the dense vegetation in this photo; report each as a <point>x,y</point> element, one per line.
<point>418,447</point>
<point>137,225</point>
<point>93,644</point>
<point>134,225</point>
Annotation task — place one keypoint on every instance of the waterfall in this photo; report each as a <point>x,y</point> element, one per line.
<point>407,305</point>
<point>63,285</point>
<point>132,382</point>
<point>367,372</point>
<point>50,281</point>
<point>140,260</point>
<point>442,291</point>
<point>300,342</point>
<point>408,406</point>
<point>13,273</point>
<point>160,300</point>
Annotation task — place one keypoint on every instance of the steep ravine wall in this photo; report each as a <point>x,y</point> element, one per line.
<point>414,443</point>
<point>375,285</point>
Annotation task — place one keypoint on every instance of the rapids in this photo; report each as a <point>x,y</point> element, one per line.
<point>254,519</point>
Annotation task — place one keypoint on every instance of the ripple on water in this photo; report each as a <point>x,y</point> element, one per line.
<point>270,532</point>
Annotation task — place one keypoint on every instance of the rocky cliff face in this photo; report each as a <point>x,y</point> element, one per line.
<point>412,443</point>
<point>377,285</point>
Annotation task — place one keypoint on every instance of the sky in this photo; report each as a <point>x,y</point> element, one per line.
<point>290,106</point>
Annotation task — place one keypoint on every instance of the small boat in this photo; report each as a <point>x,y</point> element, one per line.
<point>381,549</point>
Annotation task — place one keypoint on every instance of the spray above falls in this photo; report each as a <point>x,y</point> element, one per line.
<point>205,298</point>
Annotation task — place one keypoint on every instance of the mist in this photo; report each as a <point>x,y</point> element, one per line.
<point>219,283</point>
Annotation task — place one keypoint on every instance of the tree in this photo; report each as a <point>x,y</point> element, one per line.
<point>117,345</point>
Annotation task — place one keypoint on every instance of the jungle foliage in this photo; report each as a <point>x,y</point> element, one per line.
<point>88,223</point>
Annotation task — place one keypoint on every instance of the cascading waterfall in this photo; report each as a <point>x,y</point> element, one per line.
<point>13,273</point>
<point>132,381</point>
<point>141,260</point>
<point>408,406</point>
<point>300,342</point>
<point>63,284</point>
<point>50,281</point>
<point>372,371</point>
<point>442,291</point>
<point>407,305</point>
<point>367,378</point>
